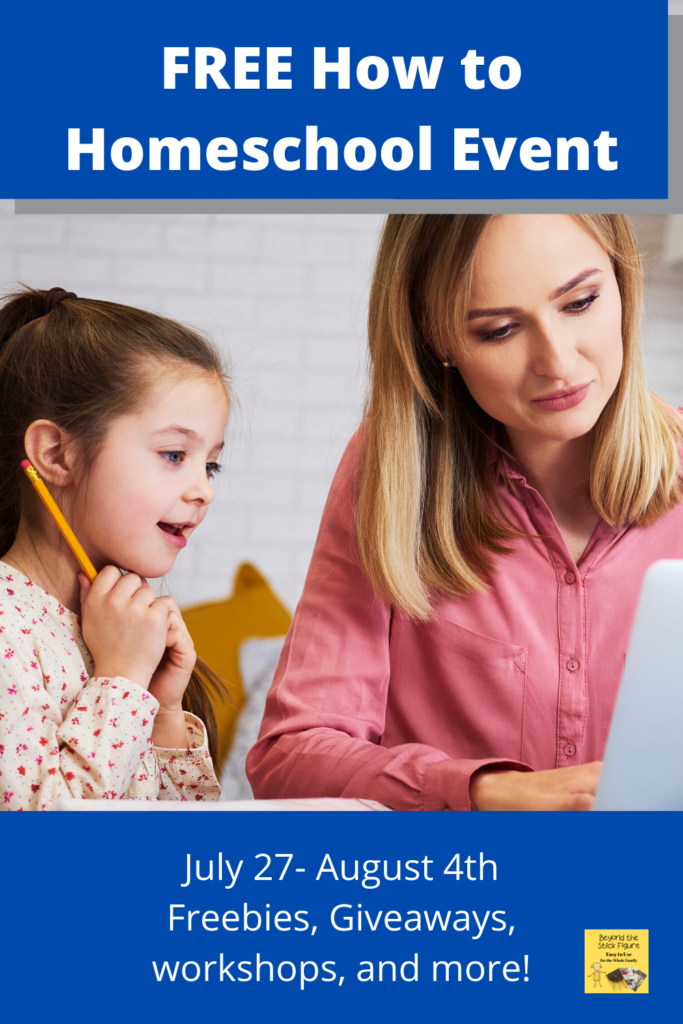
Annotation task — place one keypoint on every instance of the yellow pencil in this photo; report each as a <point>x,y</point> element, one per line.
<point>67,533</point>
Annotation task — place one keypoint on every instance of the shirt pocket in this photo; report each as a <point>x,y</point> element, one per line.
<point>457,690</point>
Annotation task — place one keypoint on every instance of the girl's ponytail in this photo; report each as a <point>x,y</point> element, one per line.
<point>205,689</point>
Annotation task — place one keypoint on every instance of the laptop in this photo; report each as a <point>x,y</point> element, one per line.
<point>643,764</point>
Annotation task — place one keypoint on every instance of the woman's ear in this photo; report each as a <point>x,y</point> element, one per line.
<point>48,448</point>
<point>426,330</point>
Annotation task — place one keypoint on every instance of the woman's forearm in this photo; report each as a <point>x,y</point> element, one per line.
<point>328,762</point>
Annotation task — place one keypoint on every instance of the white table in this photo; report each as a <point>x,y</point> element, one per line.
<point>316,804</point>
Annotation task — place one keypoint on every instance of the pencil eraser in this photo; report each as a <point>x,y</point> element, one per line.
<point>25,463</point>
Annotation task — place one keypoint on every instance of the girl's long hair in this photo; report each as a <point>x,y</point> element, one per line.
<point>428,517</point>
<point>81,365</point>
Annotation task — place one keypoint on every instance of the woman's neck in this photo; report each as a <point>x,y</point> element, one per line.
<point>559,471</point>
<point>46,559</point>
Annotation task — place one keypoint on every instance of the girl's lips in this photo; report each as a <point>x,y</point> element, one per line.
<point>174,533</point>
<point>563,399</point>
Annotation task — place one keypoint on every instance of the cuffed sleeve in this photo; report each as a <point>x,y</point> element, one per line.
<point>188,774</point>
<point>447,784</point>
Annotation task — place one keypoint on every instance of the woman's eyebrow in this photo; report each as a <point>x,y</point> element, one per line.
<point>574,281</point>
<point>474,314</point>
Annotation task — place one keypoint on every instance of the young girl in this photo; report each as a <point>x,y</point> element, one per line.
<point>462,632</point>
<point>122,413</point>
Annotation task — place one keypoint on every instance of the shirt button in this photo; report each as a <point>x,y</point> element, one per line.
<point>570,749</point>
<point>572,664</point>
<point>569,577</point>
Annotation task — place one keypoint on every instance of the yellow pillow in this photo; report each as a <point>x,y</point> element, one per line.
<point>217,630</point>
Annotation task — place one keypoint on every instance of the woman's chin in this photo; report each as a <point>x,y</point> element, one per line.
<point>564,426</point>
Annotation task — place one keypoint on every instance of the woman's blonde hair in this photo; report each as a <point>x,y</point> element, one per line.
<point>428,517</point>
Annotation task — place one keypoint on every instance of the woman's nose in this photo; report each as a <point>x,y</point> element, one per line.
<point>554,353</point>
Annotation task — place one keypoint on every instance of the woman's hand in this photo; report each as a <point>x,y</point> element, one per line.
<point>124,625</point>
<point>170,680</point>
<point>559,789</point>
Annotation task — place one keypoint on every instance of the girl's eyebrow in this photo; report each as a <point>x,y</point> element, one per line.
<point>186,432</point>
<point>176,429</point>
<point>474,314</point>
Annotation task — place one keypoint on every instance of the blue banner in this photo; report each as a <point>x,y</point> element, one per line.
<point>373,100</point>
<point>294,916</point>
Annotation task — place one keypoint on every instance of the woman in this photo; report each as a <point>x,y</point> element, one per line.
<point>464,624</point>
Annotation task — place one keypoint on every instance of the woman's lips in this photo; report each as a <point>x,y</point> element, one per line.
<point>566,398</point>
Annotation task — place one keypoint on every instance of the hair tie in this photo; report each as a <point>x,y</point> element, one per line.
<point>56,295</point>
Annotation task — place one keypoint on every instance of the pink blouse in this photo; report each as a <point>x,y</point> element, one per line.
<point>369,703</point>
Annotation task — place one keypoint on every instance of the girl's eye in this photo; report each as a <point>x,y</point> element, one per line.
<point>581,305</point>
<point>212,468</point>
<point>175,458</point>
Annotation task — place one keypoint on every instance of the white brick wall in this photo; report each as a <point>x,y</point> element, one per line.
<point>663,326</point>
<point>286,297</point>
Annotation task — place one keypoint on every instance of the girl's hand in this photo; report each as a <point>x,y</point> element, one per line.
<point>170,680</point>
<point>124,625</point>
<point>559,789</point>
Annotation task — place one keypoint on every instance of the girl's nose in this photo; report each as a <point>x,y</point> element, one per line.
<point>201,492</point>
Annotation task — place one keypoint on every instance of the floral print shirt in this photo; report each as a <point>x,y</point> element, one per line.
<point>66,733</point>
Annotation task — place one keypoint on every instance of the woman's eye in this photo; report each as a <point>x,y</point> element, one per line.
<point>580,305</point>
<point>212,468</point>
<point>175,458</point>
<point>500,333</point>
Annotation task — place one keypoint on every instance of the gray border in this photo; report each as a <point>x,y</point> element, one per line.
<point>671,205</point>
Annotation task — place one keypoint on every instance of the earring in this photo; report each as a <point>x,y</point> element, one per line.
<point>445,363</point>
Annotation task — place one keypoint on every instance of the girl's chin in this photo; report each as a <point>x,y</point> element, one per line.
<point>149,569</point>
<point>152,556</point>
<point>154,572</point>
